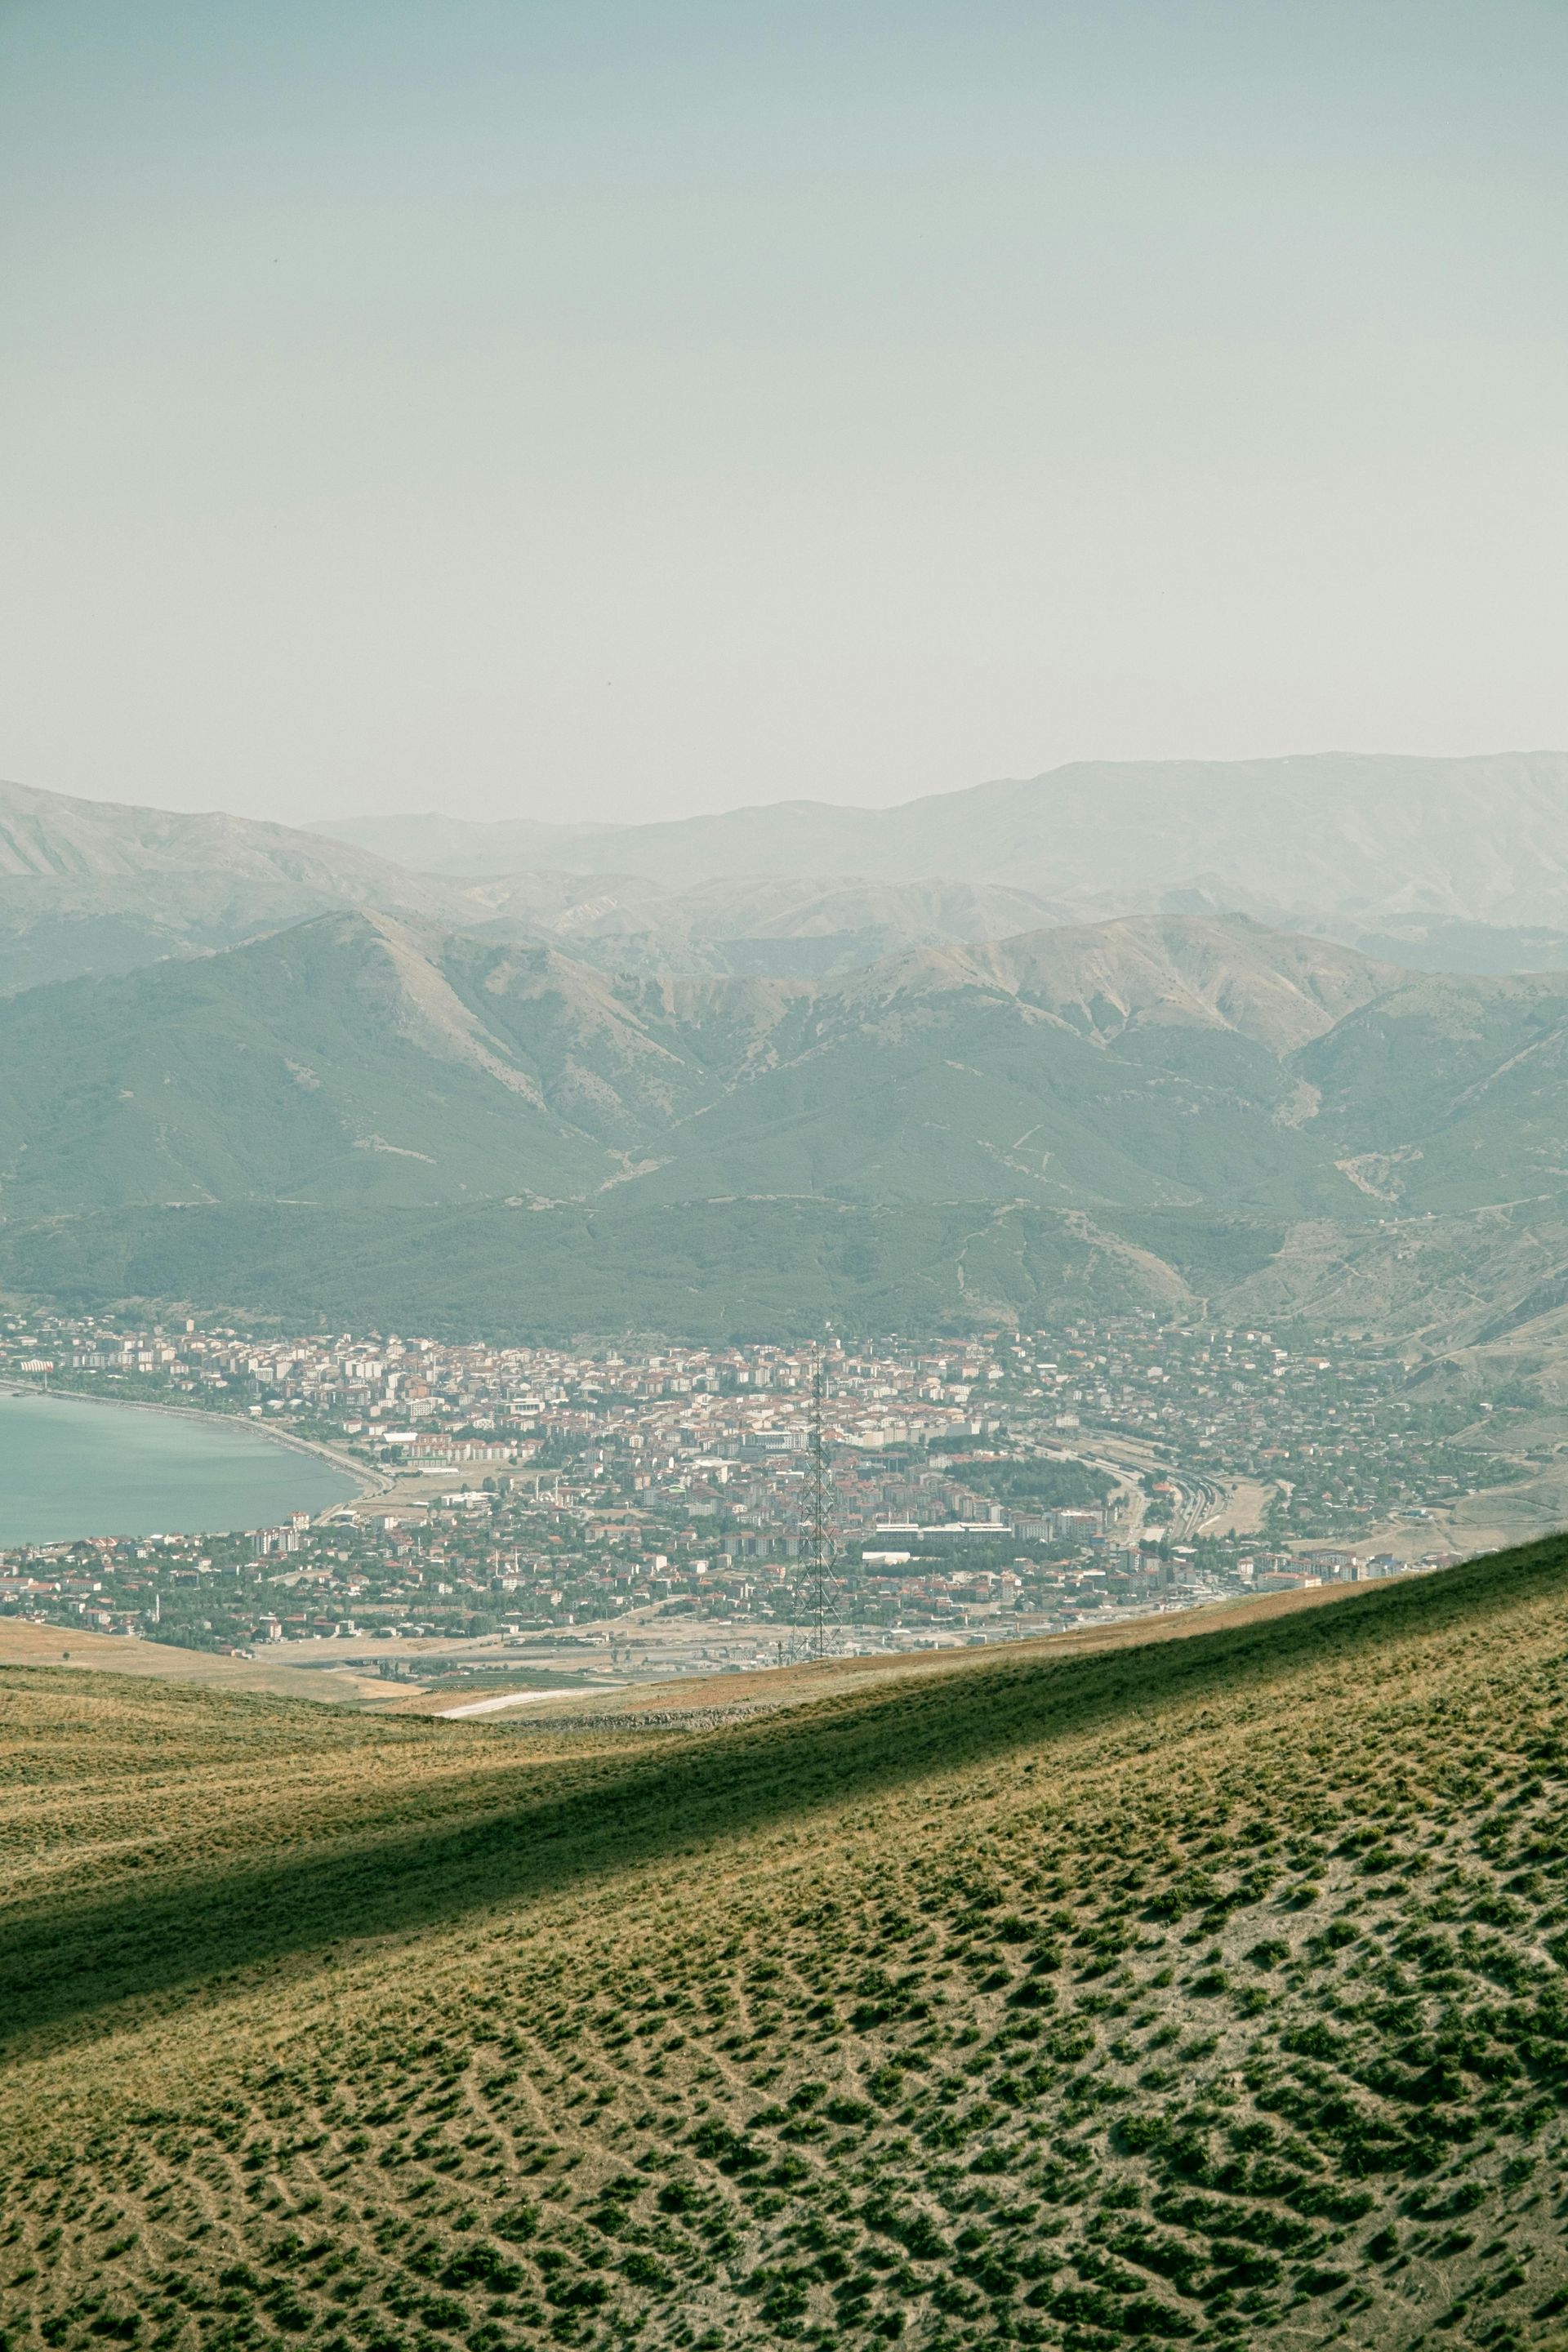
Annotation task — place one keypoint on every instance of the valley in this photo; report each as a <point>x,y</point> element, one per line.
<point>1120,1901</point>
<point>784,1471</point>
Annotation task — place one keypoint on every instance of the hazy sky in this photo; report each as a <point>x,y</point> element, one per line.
<point>584,407</point>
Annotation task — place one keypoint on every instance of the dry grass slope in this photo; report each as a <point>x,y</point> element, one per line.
<point>1203,1993</point>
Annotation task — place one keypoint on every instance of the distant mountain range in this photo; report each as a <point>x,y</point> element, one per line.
<point>373,1116</point>
<point>1374,838</point>
<point>697,1087</point>
<point>360,1058</point>
<point>785,926</point>
<point>93,886</point>
<point>1174,1064</point>
<point>1438,865</point>
<point>1442,864</point>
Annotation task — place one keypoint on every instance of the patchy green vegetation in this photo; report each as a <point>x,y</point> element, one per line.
<point>1209,1992</point>
<point>702,1272</point>
<point>1043,1482</point>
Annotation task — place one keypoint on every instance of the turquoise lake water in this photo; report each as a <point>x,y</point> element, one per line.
<point>70,1467</point>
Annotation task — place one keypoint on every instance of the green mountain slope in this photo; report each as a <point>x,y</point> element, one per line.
<point>1126,1112</point>
<point>1142,1064</point>
<point>352,1058</point>
<point>1204,1990</point>
<point>703,1271</point>
<point>1454,1090</point>
<point>357,1058</point>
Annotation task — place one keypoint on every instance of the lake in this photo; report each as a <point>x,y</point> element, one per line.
<point>69,1466</point>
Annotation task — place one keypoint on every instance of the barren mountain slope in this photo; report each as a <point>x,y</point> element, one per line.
<point>94,886</point>
<point>1372,836</point>
<point>1103,979</point>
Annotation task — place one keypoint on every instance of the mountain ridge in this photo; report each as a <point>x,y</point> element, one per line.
<point>62,838</point>
<point>1141,1110</point>
<point>1456,866</point>
<point>1379,835</point>
<point>107,886</point>
<point>463,1066</point>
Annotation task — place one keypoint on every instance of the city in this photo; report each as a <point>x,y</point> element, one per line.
<point>568,1520</point>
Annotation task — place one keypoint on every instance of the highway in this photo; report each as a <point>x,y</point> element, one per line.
<point>1197,1499</point>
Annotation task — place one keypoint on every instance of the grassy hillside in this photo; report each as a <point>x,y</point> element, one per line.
<point>1207,1990</point>
<point>704,1272</point>
<point>776,1268</point>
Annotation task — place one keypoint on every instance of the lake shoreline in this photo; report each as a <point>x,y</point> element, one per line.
<point>339,1460</point>
<point>365,1480</point>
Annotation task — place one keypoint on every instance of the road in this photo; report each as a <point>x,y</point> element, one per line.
<point>1199,1503</point>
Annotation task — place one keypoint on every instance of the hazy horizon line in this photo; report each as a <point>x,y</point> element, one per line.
<point>329,824</point>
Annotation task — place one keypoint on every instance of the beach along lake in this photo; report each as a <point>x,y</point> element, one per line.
<point>71,1467</point>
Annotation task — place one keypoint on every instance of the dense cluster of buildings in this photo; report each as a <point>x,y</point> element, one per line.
<point>1002,1484</point>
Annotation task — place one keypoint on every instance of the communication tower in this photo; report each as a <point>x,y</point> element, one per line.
<point>820,1593</point>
